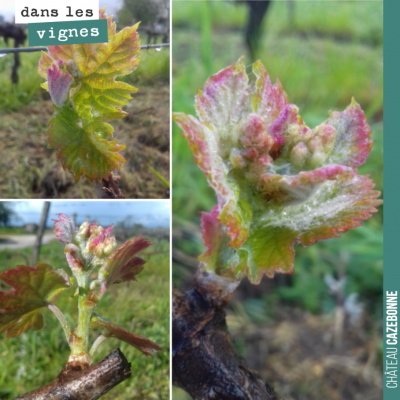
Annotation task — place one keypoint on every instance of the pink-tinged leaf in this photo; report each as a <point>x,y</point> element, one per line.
<point>353,136</point>
<point>277,181</point>
<point>33,289</point>
<point>337,206</point>
<point>195,133</point>
<point>203,146</point>
<point>104,234</point>
<point>280,189</point>
<point>65,228</point>
<point>59,83</point>
<point>121,263</point>
<point>211,231</point>
<point>61,52</point>
<point>146,346</point>
<point>268,99</point>
<point>45,63</point>
<point>236,217</point>
<point>129,271</point>
<point>224,100</point>
<point>111,26</point>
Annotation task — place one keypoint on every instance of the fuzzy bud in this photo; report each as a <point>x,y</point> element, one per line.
<point>59,83</point>
<point>84,230</point>
<point>299,155</point>
<point>253,133</point>
<point>317,159</point>
<point>73,255</point>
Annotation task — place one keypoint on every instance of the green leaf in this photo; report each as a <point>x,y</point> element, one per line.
<point>83,150</point>
<point>33,289</point>
<point>336,207</point>
<point>78,128</point>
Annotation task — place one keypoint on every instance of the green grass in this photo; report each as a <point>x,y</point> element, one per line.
<point>153,68</point>
<point>13,97</point>
<point>345,19</point>
<point>12,230</point>
<point>35,358</point>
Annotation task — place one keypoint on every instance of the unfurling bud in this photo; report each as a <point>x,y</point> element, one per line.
<point>253,134</point>
<point>59,82</point>
<point>317,159</point>
<point>100,243</point>
<point>74,257</point>
<point>105,248</point>
<point>110,245</point>
<point>277,181</point>
<point>327,135</point>
<point>299,155</point>
<point>84,230</point>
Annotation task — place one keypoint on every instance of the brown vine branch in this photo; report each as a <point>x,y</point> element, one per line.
<point>205,363</point>
<point>85,384</point>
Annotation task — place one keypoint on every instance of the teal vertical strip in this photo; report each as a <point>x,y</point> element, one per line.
<point>391,213</point>
<point>68,32</point>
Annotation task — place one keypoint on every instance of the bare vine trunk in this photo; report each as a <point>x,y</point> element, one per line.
<point>85,384</point>
<point>205,363</point>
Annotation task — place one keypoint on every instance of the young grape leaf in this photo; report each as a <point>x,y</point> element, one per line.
<point>212,238</point>
<point>59,83</point>
<point>277,181</point>
<point>78,129</point>
<point>65,228</point>
<point>34,288</point>
<point>122,265</point>
<point>78,149</point>
<point>146,346</point>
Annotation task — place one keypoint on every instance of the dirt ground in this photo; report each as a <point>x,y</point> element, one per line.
<point>28,169</point>
<point>297,355</point>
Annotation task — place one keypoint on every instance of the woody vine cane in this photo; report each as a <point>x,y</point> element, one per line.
<point>277,183</point>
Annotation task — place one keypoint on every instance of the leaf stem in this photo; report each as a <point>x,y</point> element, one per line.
<point>96,344</point>
<point>64,323</point>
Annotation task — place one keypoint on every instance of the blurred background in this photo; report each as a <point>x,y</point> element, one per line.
<point>37,357</point>
<point>318,333</point>
<point>29,169</point>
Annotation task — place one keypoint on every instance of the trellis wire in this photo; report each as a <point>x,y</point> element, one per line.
<point>31,49</point>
